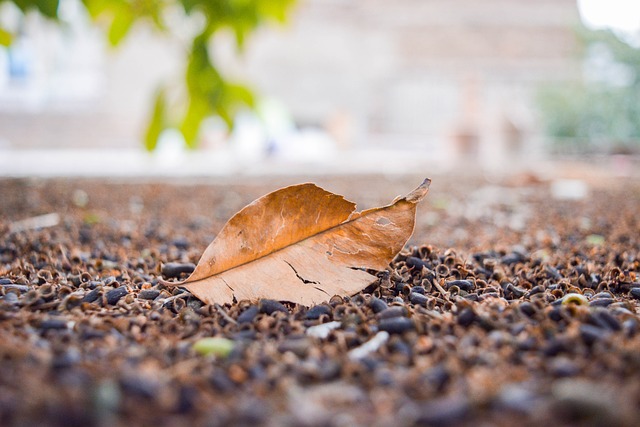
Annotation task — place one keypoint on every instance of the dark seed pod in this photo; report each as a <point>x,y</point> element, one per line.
<point>465,285</point>
<point>417,298</point>
<point>591,334</point>
<point>394,311</point>
<point>513,292</point>
<point>70,301</point>
<point>175,269</point>
<point>92,295</point>
<point>114,295</point>
<point>512,258</point>
<point>466,317</point>
<point>536,290</point>
<point>415,263</point>
<point>248,315</point>
<point>419,289</point>
<point>377,305</point>
<point>396,325</point>
<point>149,294</point>
<point>269,306</point>
<point>527,308</point>
<point>53,324</point>
<point>402,288</point>
<point>601,302</point>
<point>317,311</point>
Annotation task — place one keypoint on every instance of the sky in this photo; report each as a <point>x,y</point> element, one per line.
<point>621,15</point>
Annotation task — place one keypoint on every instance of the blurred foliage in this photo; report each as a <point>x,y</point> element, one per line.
<point>206,92</point>
<point>601,111</point>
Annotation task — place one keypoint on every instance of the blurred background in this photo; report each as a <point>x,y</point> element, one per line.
<point>338,86</point>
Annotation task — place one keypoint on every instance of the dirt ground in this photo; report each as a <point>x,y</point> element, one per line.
<point>516,300</point>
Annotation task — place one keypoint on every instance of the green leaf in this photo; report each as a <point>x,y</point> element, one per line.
<point>5,38</point>
<point>197,111</point>
<point>216,346</point>
<point>48,8</point>
<point>97,7</point>
<point>157,123</point>
<point>238,94</point>
<point>120,26</point>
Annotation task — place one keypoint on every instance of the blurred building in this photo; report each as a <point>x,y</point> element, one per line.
<point>451,76</point>
<point>432,74</point>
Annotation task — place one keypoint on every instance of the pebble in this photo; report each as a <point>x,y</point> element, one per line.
<point>149,294</point>
<point>370,346</point>
<point>114,295</point>
<point>269,306</point>
<point>248,315</point>
<point>635,293</point>
<point>322,331</point>
<point>396,325</point>
<point>175,269</point>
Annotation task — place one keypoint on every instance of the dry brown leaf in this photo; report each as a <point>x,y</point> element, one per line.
<point>302,244</point>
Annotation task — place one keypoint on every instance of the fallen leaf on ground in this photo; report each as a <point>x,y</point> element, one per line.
<point>302,244</point>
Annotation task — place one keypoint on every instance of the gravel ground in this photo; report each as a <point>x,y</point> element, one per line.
<point>515,301</point>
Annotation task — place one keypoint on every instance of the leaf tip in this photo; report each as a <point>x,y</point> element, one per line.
<point>419,193</point>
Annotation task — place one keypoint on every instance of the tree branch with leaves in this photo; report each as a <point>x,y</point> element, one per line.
<point>205,91</point>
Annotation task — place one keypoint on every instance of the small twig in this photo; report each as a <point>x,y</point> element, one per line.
<point>441,289</point>
<point>172,297</point>
<point>224,314</point>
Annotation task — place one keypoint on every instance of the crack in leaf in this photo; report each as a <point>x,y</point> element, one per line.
<point>225,282</point>
<point>305,281</point>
